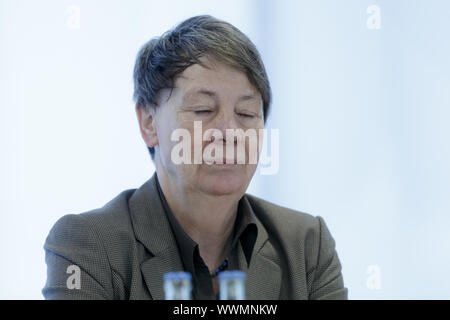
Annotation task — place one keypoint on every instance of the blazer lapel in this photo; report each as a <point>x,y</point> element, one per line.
<point>263,273</point>
<point>154,269</point>
<point>153,230</point>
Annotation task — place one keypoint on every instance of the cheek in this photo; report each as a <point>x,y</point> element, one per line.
<point>165,142</point>
<point>166,129</point>
<point>253,146</point>
<point>184,133</point>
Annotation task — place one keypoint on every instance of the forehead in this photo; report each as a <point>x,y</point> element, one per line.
<point>215,77</point>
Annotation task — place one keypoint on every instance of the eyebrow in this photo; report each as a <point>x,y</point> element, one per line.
<point>212,94</point>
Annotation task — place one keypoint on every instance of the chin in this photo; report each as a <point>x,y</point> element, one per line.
<point>224,183</point>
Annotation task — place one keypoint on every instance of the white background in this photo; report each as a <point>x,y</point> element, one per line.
<point>363,116</point>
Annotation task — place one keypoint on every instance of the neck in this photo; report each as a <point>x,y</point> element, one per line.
<point>207,219</point>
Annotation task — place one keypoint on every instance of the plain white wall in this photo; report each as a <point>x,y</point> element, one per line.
<point>362,115</point>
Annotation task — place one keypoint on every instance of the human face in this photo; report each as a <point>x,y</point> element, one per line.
<point>221,98</point>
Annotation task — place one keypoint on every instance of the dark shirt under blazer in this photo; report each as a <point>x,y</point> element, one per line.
<point>244,230</point>
<point>124,248</point>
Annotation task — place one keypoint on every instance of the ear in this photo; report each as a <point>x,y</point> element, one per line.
<point>147,125</point>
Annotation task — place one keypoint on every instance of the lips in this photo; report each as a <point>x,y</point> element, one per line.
<point>226,162</point>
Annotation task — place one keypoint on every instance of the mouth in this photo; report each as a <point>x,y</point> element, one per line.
<point>226,163</point>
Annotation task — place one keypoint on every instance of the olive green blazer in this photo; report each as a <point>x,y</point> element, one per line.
<point>122,250</point>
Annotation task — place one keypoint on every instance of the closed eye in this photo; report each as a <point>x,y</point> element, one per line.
<point>202,111</point>
<point>245,115</point>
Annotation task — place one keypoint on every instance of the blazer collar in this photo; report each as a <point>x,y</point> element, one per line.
<point>152,229</point>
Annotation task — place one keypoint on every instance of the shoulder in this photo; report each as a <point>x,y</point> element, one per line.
<point>112,215</point>
<point>295,231</point>
<point>307,245</point>
<point>99,228</point>
<point>279,217</point>
<point>96,242</point>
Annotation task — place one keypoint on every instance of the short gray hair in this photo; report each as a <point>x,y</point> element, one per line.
<point>161,59</point>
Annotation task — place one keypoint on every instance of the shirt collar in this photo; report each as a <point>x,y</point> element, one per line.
<point>245,230</point>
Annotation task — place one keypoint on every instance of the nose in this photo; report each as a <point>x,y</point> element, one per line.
<point>226,121</point>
